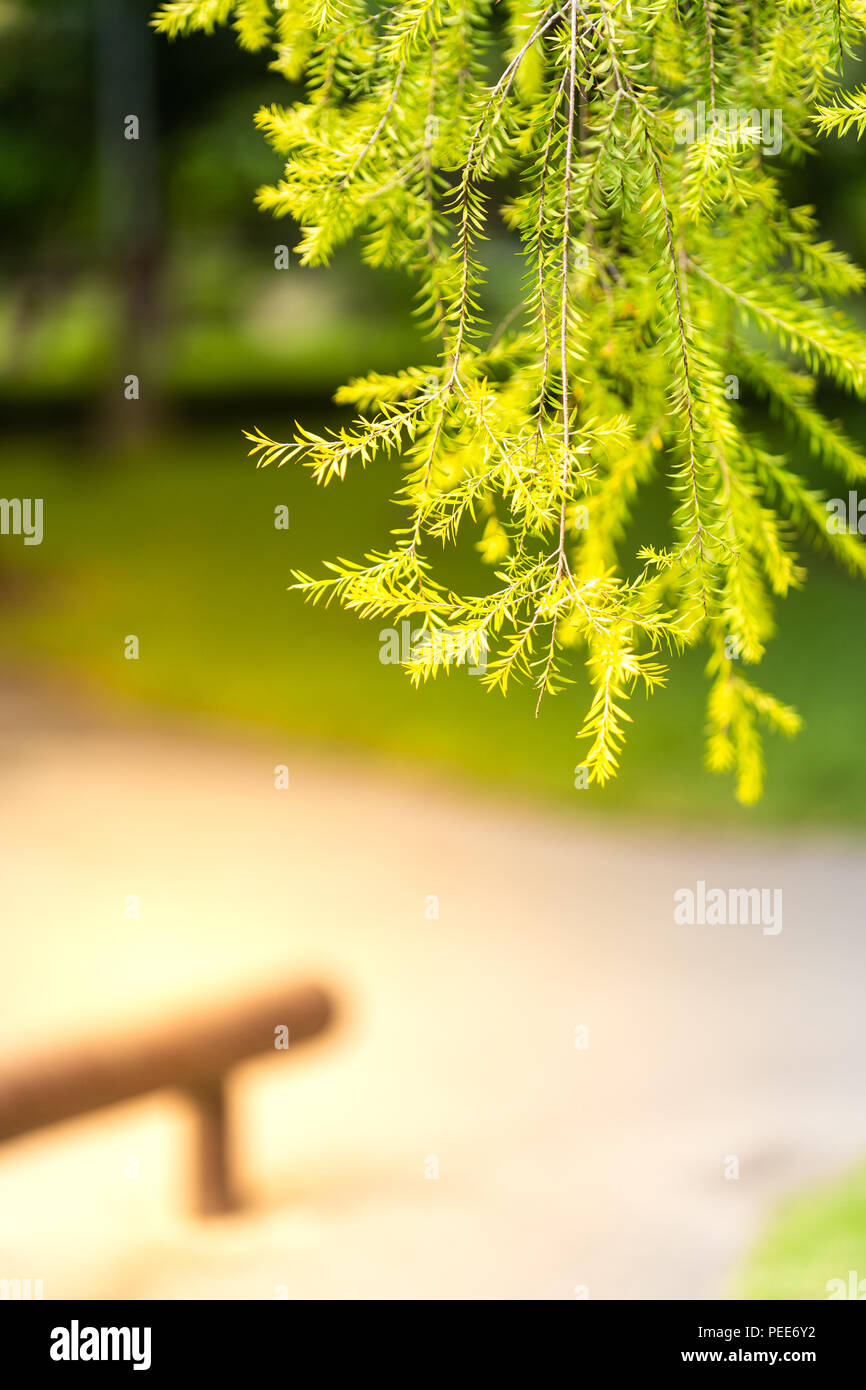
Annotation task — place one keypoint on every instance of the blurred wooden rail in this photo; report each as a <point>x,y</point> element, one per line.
<point>193,1054</point>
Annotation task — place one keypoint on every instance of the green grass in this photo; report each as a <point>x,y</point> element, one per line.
<point>236,325</point>
<point>175,542</point>
<point>813,1238</point>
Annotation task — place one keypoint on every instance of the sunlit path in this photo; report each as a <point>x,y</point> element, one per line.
<point>560,1166</point>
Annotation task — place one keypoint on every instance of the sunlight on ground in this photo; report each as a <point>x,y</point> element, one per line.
<point>559,1168</point>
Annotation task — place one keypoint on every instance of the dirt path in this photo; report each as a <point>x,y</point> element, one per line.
<point>561,1168</point>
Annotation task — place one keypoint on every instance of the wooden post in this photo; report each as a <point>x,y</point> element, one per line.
<point>212,1177</point>
<point>192,1055</point>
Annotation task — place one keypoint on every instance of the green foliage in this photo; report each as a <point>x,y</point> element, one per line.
<point>847,111</point>
<point>627,148</point>
<point>812,1247</point>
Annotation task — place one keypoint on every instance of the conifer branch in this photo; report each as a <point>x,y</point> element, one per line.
<point>659,257</point>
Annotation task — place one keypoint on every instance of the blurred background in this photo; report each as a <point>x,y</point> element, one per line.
<point>431,858</point>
